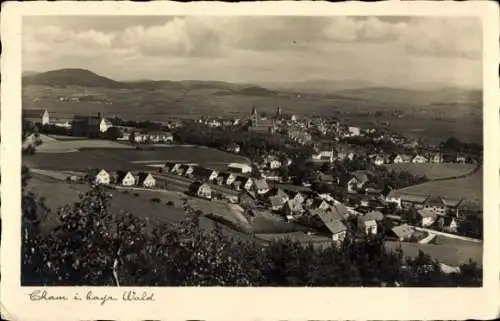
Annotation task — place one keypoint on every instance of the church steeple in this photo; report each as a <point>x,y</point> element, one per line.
<point>278,113</point>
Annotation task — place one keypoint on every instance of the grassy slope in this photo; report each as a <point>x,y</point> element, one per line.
<point>470,188</point>
<point>123,159</point>
<point>58,194</point>
<point>434,171</point>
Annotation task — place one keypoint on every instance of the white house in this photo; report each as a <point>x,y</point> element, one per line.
<point>419,159</point>
<point>104,125</point>
<point>325,155</point>
<point>45,117</point>
<point>428,216</point>
<point>102,177</point>
<point>146,180</point>
<point>274,164</point>
<point>125,178</point>
<point>401,159</point>
<point>378,160</point>
<point>239,168</point>
<point>354,131</point>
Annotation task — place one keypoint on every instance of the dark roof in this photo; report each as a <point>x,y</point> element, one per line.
<point>276,201</point>
<point>33,113</point>
<point>373,215</point>
<point>120,175</point>
<point>362,176</point>
<point>201,172</point>
<point>333,224</point>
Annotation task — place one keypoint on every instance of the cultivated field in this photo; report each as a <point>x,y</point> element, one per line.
<point>113,159</point>
<point>469,188</point>
<point>434,171</point>
<point>430,118</point>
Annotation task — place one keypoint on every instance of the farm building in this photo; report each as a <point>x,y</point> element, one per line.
<point>323,156</point>
<point>146,180</point>
<point>204,174</point>
<point>334,225</point>
<point>171,167</point>
<point>124,178</point>
<point>353,131</point>
<point>291,208</point>
<point>200,189</point>
<point>89,126</point>
<point>37,116</point>
<point>295,196</point>
<point>239,168</point>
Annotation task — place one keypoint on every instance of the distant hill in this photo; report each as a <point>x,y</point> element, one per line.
<point>71,77</point>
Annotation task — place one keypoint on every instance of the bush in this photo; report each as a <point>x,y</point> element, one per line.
<point>125,192</point>
<point>155,200</point>
<point>136,194</point>
<point>170,203</point>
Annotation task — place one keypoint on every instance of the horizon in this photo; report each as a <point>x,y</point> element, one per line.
<point>279,86</point>
<point>384,51</point>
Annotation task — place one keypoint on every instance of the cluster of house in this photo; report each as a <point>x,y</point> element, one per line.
<point>80,125</point>
<point>331,154</point>
<point>123,178</point>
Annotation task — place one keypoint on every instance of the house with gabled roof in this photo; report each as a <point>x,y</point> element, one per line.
<point>185,170</point>
<point>101,177</point>
<point>320,204</point>
<point>124,178</point>
<point>369,222</point>
<point>436,158</point>
<point>295,196</point>
<point>419,159</point>
<point>200,189</point>
<point>146,180</point>
<point>401,158</point>
<point>358,180</point>
<point>335,226</point>
<point>204,174</point>
<point>291,208</point>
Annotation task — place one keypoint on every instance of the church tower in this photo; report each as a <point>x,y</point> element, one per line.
<point>278,113</point>
<point>254,117</point>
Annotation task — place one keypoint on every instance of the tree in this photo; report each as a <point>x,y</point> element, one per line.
<point>113,133</point>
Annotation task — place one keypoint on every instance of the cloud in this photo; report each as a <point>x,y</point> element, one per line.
<point>231,48</point>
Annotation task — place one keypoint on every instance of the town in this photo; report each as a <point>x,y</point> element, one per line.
<point>318,176</point>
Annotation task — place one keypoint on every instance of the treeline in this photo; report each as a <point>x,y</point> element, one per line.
<point>92,247</point>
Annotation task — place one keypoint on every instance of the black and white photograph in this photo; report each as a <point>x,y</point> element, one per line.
<point>263,151</point>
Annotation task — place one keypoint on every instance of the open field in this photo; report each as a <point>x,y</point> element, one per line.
<point>126,159</point>
<point>139,203</point>
<point>469,188</point>
<point>433,171</point>
<point>449,254</point>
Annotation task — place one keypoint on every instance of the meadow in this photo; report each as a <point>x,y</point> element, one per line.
<point>114,159</point>
<point>433,171</point>
<point>469,188</point>
<point>139,203</point>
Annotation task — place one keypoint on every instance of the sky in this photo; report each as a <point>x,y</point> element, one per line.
<point>386,51</point>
